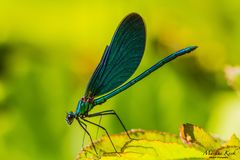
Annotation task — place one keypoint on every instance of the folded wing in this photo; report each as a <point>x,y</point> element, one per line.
<point>121,58</point>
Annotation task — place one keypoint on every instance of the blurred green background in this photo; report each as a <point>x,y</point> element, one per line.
<point>49,49</point>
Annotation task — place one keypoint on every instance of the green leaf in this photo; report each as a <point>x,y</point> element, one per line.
<point>146,145</point>
<point>191,134</point>
<point>214,148</point>
<point>234,141</point>
<point>193,143</point>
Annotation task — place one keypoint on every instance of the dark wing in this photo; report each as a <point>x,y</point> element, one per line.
<point>121,58</point>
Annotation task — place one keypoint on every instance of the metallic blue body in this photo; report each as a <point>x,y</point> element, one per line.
<point>84,107</point>
<point>144,74</point>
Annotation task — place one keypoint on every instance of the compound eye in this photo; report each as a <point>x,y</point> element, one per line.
<point>70,117</point>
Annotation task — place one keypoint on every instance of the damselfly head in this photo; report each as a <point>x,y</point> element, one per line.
<point>70,117</point>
